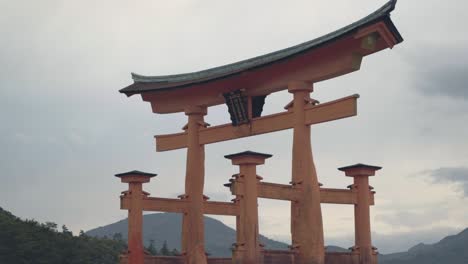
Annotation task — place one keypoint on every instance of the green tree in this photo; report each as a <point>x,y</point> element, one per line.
<point>151,248</point>
<point>66,231</point>
<point>175,252</point>
<point>117,237</point>
<point>51,226</point>
<point>164,249</point>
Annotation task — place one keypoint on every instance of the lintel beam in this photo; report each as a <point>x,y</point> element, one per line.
<point>337,109</point>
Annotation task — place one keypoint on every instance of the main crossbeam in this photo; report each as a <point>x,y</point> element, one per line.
<point>314,114</point>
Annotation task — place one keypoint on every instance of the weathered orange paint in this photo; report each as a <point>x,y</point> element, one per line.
<point>135,216</point>
<point>193,233</point>
<point>180,206</point>
<point>314,114</point>
<point>306,214</point>
<point>248,248</point>
<point>286,192</point>
<point>363,242</point>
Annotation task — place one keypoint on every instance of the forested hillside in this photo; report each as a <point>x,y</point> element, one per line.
<point>30,242</point>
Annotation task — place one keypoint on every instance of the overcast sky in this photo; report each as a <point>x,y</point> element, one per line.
<point>65,130</point>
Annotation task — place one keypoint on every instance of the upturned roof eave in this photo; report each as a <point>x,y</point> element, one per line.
<point>168,82</point>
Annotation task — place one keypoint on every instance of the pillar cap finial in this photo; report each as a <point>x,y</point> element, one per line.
<point>135,176</point>
<point>360,169</point>
<point>249,154</point>
<point>248,157</point>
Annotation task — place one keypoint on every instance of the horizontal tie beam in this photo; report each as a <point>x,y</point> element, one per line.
<point>277,191</point>
<point>290,193</point>
<point>180,206</point>
<point>341,108</point>
<point>221,208</point>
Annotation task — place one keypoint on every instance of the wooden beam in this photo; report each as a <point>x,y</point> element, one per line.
<point>289,193</point>
<point>337,196</point>
<point>338,109</point>
<point>179,206</point>
<point>277,191</point>
<point>158,204</point>
<point>341,108</point>
<point>221,208</point>
<point>340,196</point>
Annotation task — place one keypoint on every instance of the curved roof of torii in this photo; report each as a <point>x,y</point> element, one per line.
<point>143,84</point>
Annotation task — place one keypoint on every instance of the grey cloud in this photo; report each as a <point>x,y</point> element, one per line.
<point>412,218</point>
<point>451,175</point>
<point>449,80</point>
<point>443,73</point>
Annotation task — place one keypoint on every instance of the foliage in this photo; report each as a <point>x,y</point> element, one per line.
<point>152,249</point>
<point>164,251</point>
<point>30,242</point>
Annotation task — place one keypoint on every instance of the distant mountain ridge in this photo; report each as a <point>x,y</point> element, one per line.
<point>219,238</point>
<point>162,227</point>
<point>449,250</point>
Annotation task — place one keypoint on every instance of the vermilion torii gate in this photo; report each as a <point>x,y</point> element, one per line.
<point>243,87</point>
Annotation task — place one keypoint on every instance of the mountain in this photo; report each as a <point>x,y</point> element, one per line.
<point>27,241</point>
<point>162,227</point>
<point>450,250</point>
<point>219,238</point>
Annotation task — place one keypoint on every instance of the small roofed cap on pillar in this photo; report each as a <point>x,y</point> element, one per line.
<point>360,170</point>
<point>248,157</point>
<point>135,176</point>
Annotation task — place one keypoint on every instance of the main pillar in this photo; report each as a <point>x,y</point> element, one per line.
<point>193,229</point>
<point>306,213</point>
<point>135,180</point>
<point>248,249</point>
<point>361,173</point>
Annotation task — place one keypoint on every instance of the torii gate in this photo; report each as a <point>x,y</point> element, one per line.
<point>243,86</point>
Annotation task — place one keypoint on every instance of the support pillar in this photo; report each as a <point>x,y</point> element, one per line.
<point>248,249</point>
<point>135,180</point>
<point>193,229</point>
<point>363,242</point>
<point>306,213</point>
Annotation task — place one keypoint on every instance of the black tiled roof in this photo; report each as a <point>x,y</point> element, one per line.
<point>248,153</point>
<point>359,165</point>
<point>135,172</point>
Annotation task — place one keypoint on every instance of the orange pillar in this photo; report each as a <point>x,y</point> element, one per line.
<point>135,180</point>
<point>248,248</point>
<point>193,229</point>
<point>306,213</point>
<point>361,173</point>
